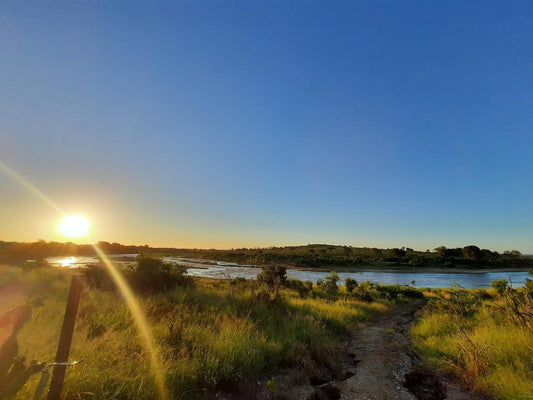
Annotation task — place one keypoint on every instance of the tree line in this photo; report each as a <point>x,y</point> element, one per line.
<point>306,256</point>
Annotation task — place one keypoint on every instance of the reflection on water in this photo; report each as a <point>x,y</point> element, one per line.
<point>83,261</point>
<point>68,262</point>
<point>229,270</point>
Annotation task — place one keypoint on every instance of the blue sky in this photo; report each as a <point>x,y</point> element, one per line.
<point>257,123</point>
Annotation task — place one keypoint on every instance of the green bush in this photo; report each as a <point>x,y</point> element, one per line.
<point>304,289</point>
<point>273,276</point>
<point>365,291</point>
<point>328,285</point>
<point>152,274</point>
<point>396,291</point>
<point>147,275</point>
<point>350,284</point>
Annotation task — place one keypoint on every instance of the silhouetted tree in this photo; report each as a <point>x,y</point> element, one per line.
<point>472,253</point>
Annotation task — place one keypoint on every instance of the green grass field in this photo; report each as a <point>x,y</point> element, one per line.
<point>210,334</point>
<point>476,337</point>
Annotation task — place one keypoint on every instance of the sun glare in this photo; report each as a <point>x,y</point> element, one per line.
<point>74,226</point>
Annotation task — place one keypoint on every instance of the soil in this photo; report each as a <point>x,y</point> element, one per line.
<point>371,365</point>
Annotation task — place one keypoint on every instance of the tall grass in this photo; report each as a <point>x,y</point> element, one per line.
<point>211,334</point>
<point>485,348</point>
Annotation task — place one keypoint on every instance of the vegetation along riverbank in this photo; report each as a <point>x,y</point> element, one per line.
<point>313,256</point>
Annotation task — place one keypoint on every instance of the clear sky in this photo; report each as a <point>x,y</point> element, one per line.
<point>258,123</point>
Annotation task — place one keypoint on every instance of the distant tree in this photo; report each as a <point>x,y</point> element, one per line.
<point>472,253</point>
<point>416,260</point>
<point>397,252</point>
<point>488,255</point>
<point>441,250</point>
<point>513,253</point>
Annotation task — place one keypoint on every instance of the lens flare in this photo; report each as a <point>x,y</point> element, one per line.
<point>127,294</point>
<point>29,187</point>
<point>139,319</point>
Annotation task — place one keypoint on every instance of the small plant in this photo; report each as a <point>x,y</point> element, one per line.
<point>500,285</point>
<point>271,386</point>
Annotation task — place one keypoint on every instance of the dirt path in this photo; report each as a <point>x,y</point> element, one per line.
<point>371,365</point>
<point>382,353</point>
<point>383,356</point>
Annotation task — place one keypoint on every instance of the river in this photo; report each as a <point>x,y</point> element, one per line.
<point>224,270</point>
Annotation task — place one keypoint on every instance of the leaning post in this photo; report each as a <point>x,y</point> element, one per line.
<point>65,339</point>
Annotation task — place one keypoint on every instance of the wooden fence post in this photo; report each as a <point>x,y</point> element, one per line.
<point>63,348</point>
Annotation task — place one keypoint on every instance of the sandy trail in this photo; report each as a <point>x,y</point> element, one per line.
<point>372,366</point>
<point>383,355</point>
<point>381,351</point>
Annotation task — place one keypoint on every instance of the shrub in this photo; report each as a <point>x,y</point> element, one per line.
<point>350,284</point>
<point>328,286</point>
<point>500,285</point>
<point>238,281</point>
<point>147,275</point>
<point>154,275</point>
<point>365,291</point>
<point>459,303</point>
<point>33,264</point>
<point>274,277</point>
<point>304,289</point>
<point>96,276</point>
<point>396,291</point>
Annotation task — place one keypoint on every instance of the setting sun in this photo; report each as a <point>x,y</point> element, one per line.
<point>74,226</point>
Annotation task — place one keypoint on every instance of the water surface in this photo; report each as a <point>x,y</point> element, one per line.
<point>228,270</point>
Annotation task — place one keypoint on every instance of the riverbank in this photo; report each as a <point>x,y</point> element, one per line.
<point>410,270</point>
<point>384,273</point>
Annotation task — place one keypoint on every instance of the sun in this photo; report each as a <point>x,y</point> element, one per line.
<point>74,226</point>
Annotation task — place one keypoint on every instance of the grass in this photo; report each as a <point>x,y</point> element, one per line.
<point>212,334</point>
<point>484,348</point>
